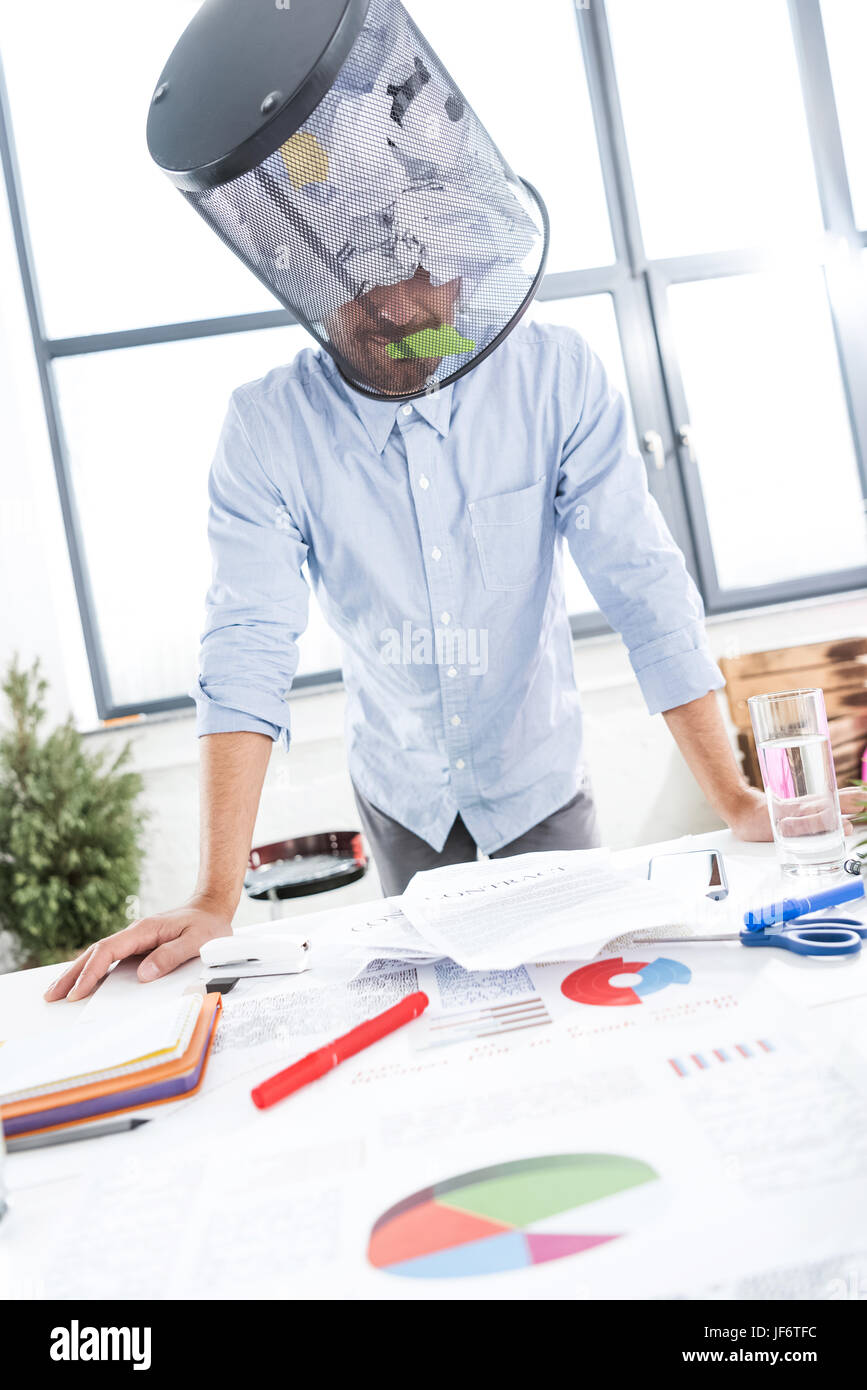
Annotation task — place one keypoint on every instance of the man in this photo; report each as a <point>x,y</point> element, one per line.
<point>433,528</point>
<point>444,513</point>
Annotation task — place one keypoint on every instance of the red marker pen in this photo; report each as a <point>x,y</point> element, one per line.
<point>325,1059</point>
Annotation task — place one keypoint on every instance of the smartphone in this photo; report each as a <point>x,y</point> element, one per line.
<point>698,871</point>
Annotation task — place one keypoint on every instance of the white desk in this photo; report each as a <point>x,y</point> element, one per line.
<point>216,1199</point>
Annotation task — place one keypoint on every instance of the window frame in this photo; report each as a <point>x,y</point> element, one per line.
<point>638,287</point>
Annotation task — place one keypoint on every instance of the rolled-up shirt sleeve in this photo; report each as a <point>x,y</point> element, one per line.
<point>624,550</point>
<point>257,603</point>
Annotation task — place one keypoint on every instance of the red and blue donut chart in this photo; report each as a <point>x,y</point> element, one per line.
<point>591,984</point>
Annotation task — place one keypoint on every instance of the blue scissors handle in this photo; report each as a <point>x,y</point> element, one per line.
<point>806,939</point>
<point>859,927</point>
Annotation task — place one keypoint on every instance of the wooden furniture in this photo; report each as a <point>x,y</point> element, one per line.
<point>840,668</point>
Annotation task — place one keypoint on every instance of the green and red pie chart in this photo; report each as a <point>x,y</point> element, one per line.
<point>512,1216</point>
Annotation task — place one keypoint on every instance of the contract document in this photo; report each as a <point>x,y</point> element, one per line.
<point>497,914</point>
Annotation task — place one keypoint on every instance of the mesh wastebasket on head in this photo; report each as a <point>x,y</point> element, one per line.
<point>326,144</point>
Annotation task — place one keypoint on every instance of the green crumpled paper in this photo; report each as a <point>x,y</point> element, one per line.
<point>431,342</point>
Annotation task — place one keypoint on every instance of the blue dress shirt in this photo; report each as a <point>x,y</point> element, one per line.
<point>433,534</point>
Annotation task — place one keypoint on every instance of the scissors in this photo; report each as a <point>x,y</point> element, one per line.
<point>813,936</point>
<point>784,926</point>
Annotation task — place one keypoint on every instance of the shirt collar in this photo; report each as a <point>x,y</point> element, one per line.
<point>378,417</point>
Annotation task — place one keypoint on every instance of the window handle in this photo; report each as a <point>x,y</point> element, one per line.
<point>684,439</point>
<point>654,446</point>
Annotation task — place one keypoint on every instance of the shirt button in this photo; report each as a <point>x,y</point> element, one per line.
<point>452,671</point>
<point>456,719</point>
<point>445,619</point>
<point>424,482</point>
<point>406,410</point>
<point>436,553</point>
<point>460,764</point>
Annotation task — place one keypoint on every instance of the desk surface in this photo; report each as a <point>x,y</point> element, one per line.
<point>216,1199</point>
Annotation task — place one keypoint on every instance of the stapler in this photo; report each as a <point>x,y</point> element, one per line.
<point>246,957</point>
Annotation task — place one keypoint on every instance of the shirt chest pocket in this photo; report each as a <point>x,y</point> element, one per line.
<point>510,535</point>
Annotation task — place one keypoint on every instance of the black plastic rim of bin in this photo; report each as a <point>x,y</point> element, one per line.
<point>338,844</point>
<point>308,887</point>
<point>264,77</point>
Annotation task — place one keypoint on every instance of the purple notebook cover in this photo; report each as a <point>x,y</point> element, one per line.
<point>106,1105</point>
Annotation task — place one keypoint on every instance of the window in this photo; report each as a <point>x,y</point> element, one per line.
<point>114,245</point>
<point>769,428</point>
<point>715,125</point>
<point>147,561</point>
<point>704,168</point>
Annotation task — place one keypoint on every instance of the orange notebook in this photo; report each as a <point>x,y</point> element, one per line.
<point>152,1086</point>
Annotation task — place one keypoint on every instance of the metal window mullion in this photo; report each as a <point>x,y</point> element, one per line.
<point>560,285</point>
<point>789,590</point>
<point>651,412</point>
<point>714,265</point>
<point>631,300</point>
<point>169,704</point>
<point>155,334</point>
<point>611,136</point>
<point>590,624</point>
<point>693,493</point>
<point>845,276</point>
<point>71,521</point>
<point>573,284</point>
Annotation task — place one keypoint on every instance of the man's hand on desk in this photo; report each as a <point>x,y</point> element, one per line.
<point>750,819</point>
<point>700,734</point>
<point>232,771</point>
<point>166,940</point>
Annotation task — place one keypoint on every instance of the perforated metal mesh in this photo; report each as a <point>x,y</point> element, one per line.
<point>389,223</point>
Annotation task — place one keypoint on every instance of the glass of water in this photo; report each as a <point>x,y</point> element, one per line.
<point>794,747</point>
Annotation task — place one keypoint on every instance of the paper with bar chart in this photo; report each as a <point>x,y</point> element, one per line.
<point>477,1005</point>
<point>512,1216</point>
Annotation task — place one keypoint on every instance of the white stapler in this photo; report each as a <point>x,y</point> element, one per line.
<point>248,955</point>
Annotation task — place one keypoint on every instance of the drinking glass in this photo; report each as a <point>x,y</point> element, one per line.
<point>794,747</point>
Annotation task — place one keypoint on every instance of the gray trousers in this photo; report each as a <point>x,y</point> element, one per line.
<point>399,853</point>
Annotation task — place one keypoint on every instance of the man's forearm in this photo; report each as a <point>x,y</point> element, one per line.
<point>231,772</point>
<point>701,737</point>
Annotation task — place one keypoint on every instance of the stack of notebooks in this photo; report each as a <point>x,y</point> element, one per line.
<point>90,1072</point>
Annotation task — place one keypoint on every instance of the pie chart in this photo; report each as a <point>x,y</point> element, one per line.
<point>592,984</point>
<point>511,1216</point>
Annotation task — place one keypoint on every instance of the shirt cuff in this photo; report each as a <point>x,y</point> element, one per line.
<point>217,717</point>
<point>675,669</point>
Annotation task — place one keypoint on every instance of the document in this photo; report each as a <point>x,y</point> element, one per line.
<point>497,914</point>
<point>726,1155</point>
<point>281,1014</point>
<point>358,933</point>
<point>785,1120</point>
<point>837,1277</point>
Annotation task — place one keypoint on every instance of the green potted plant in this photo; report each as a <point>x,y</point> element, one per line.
<point>70,831</point>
